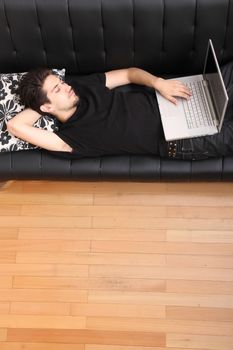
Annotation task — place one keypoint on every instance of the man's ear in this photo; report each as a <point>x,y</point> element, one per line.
<point>46,108</point>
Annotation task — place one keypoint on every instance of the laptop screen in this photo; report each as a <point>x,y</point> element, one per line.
<point>212,75</point>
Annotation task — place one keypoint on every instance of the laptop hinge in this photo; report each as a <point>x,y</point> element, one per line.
<point>210,103</point>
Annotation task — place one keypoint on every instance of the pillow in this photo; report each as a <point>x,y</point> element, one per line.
<point>10,106</point>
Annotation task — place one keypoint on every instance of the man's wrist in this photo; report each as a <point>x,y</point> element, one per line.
<point>158,82</point>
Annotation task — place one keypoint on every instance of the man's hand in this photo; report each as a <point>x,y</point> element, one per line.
<point>171,89</point>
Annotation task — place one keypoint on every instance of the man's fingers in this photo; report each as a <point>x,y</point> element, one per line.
<point>184,95</point>
<point>182,90</point>
<point>171,89</point>
<point>172,99</point>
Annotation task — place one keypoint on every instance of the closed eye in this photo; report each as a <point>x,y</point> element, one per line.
<point>56,89</point>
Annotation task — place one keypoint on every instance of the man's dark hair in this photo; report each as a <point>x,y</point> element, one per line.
<point>31,89</point>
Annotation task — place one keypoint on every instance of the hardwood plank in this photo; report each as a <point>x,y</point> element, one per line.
<point>139,235</point>
<point>77,336</point>
<point>166,199</point>
<point>206,212</point>
<point>43,295</point>
<point>9,210</point>
<point>7,257</point>
<point>209,342</point>
<point>101,211</point>
<point>6,281</point>
<point>29,269</point>
<point>185,248</point>
<point>162,223</point>
<point>8,233</point>
<point>155,272</point>
<point>49,257</point>
<point>90,283</point>
<point>4,307</point>
<point>200,187</point>
<point>160,325</point>
<point>42,321</point>
<point>34,221</point>
<point>199,313</point>
<point>203,287</point>
<point>32,198</point>
<point>26,269</point>
<point>117,310</point>
<point>200,236</point>
<point>3,334</point>
<point>210,261</point>
<point>40,346</point>
<point>156,298</point>
<point>44,245</point>
<point>93,187</point>
<point>36,308</point>
<point>120,347</point>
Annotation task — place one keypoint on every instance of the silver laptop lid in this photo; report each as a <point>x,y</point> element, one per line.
<point>213,77</point>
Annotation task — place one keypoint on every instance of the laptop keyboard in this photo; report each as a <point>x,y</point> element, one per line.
<point>195,108</point>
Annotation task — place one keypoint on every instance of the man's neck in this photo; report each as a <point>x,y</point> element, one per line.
<point>63,116</point>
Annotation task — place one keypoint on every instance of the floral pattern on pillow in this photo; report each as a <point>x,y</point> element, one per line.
<point>10,106</point>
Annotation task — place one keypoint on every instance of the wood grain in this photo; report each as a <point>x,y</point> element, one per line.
<point>116,266</point>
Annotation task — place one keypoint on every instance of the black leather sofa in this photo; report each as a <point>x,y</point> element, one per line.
<point>165,37</point>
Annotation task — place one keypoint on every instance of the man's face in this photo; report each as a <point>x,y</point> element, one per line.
<point>61,96</point>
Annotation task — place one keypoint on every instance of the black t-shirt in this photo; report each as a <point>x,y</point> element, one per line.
<point>110,122</point>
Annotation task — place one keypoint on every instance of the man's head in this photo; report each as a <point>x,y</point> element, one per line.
<point>31,91</point>
<point>44,92</point>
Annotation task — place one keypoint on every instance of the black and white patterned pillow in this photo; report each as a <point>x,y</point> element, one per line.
<point>10,106</point>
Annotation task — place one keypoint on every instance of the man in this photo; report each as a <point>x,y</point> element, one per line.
<point>97,120</point>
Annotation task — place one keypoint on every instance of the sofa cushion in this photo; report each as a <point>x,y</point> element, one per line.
<point>10,105</point>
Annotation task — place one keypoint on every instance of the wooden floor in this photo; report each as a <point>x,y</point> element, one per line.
<point>116,266</point>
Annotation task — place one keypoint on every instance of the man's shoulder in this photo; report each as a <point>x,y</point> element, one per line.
<point>98,79</point>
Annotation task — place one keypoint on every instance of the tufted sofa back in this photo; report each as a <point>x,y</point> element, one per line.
<point>162,36</point>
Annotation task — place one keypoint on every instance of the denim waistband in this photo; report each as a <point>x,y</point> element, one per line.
<point>186,149</point>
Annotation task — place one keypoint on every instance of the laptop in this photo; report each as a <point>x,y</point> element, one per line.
<point>204,112</point>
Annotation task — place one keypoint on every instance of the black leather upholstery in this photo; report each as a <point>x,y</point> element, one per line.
<point>84,36</point>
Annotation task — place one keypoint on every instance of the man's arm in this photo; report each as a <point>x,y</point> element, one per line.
<point>167,88</point>
<point>22,127</point>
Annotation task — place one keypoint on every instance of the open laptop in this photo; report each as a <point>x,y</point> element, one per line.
<point>204,112</point>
